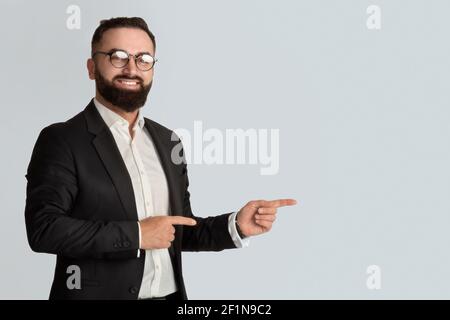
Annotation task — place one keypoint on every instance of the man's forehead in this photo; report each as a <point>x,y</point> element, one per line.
<point>132,40</point>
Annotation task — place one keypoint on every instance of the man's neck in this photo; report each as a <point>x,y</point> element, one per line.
<point>129,116</point>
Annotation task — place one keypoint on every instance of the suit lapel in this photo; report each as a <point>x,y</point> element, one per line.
<point>110,155</point>
<point>163,148</point>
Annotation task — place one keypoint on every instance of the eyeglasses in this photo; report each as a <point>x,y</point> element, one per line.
<point>120,58</point>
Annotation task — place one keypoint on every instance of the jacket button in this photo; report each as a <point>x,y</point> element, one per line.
<point>133,290</point>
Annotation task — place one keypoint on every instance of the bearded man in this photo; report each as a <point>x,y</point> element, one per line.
<point>105,196</point>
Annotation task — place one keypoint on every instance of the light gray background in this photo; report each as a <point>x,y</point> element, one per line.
<point>364,129</point>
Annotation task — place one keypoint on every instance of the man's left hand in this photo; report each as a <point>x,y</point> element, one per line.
<point>257,216</point>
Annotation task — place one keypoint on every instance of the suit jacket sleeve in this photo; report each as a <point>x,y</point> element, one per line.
<point>51,193</point>
<point>211,233</point>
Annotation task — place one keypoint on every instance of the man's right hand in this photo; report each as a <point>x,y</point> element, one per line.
<point>159,232</point>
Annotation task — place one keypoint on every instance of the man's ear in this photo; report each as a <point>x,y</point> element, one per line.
<point>91,68</point>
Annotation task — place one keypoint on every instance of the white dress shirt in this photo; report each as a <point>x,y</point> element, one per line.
<point>151,193</point>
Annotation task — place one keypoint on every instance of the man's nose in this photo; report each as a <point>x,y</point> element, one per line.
<point>131,68</point>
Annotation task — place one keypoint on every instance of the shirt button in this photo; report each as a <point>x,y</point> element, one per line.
<point>133,290</point>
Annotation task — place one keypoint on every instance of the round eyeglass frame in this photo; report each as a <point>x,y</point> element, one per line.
<point>135,56</point>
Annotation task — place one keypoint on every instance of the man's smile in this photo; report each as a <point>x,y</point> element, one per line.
<point>127,83</point>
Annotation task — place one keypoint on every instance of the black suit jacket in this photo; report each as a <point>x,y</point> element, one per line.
<point>80,206</point>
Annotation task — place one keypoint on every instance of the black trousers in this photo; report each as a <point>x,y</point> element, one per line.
<point>176,296</point>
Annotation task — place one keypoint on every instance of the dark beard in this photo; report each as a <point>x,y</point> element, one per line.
<point>127,100</point>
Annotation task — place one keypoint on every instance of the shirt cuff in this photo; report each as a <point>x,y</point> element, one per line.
<point>139,249</point>
<point>238,241</point>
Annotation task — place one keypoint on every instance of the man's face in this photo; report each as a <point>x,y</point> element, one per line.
<point>127,87</point>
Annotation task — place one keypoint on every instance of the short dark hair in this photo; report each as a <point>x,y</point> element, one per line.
<point>120,22</point>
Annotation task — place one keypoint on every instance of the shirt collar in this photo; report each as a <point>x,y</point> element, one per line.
<point>113,119</point>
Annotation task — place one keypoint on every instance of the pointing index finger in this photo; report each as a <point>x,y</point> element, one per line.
<point>280,203</point>
<point>180,220</point>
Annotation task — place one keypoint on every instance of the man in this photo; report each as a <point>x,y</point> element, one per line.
<point>105,196</point>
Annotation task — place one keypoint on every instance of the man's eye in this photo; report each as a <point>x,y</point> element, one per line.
<point>119,55</point>
<point>146,58</point>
